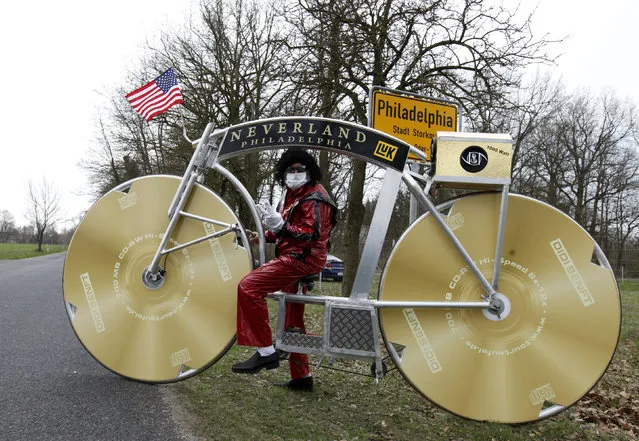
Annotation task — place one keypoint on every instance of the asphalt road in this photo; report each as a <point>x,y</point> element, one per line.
<point>50,386</point>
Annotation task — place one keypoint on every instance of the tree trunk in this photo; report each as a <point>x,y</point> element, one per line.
<point>324,165</point>
<point>40,239</point>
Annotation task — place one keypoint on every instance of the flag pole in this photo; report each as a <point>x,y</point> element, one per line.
<point>184,126</point>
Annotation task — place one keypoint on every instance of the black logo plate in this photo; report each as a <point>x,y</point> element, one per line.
<point>473,159</point>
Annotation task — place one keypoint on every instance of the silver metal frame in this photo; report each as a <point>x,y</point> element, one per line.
<point>206,155</point>
<point>376,234</point>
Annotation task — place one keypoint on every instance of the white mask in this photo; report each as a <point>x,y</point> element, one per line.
<point>296,180</point>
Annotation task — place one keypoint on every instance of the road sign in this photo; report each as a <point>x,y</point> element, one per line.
<point>412,118</point>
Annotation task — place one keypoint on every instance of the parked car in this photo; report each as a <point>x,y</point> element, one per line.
<point>333,269</point>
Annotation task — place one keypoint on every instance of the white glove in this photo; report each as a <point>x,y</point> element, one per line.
<point>271,219</point>
<point>260,211</point>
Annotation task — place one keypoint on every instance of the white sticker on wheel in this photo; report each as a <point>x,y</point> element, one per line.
<point>94,308</point>
<point>422,340</point>
<point>455,221</point>
<point>225,271</point>
<point>541,394</point>
<point>572,272</point>
<point>180,357</point>
<point>128,200</point>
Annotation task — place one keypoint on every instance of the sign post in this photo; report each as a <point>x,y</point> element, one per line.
<point>413,118</point>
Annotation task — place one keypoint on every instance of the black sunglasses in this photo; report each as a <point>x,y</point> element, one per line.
<point>298,169</point>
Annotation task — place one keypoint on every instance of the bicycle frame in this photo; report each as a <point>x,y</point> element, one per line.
<point>340,137</point>
<point>355,141</point>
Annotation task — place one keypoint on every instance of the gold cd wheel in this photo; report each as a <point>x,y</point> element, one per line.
<point>175,329</point>
<point>556,330</point>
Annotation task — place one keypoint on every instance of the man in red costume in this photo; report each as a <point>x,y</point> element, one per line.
<point>300,227</point>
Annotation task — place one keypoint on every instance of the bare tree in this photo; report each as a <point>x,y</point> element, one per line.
<point>624,223</point>
<point>465,50</point>
<point>585,155</point>
<point>522,111</point>
<point>44,208</point>
<point>582,158</point>
<point>103,167</point>
<point>231,69</point>
<point>238,52</point>
<point>241,61</point>
<point>7,224</point>
<point>26,234</point>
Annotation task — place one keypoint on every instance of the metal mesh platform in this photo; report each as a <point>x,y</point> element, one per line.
<point>351,329</point>
<point>296,339</point>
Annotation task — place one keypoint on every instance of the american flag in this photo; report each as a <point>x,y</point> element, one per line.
<point>156,97</point>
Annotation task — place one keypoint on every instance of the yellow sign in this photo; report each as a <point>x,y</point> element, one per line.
<point>413,119</point>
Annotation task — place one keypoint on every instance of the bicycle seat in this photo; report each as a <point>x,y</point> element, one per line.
<point>309,281</point>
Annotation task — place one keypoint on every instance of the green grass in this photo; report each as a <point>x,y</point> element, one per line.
<point>26,250</point>
<point>227,406</point>
<point>629,285</point>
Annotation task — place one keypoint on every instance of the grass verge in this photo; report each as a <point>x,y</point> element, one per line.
<point>26,250</point>
<point>351,407</point>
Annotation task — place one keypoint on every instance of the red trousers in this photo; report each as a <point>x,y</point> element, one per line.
<point>253,327</point>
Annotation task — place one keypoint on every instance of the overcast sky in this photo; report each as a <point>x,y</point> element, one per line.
<point>59,56</point>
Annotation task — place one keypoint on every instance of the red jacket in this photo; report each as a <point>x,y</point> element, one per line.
<point>309,216</point>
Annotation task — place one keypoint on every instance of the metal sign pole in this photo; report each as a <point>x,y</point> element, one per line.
<point>413,202</point>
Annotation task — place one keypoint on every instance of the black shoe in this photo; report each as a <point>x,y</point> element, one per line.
<point>303,384</point>
<point>256,363</point>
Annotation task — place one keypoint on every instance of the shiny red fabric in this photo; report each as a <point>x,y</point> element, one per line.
<point>300,220</point>
<point>301,250</point>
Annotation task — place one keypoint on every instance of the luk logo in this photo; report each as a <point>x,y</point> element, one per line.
<point>385,151</point>
<point>473,159</point>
